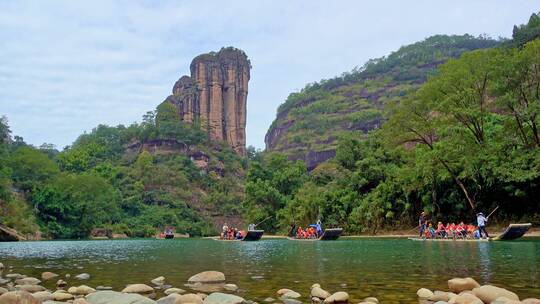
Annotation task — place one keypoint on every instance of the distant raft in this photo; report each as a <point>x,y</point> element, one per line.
<point>512,232</point>
<point>330,234</point>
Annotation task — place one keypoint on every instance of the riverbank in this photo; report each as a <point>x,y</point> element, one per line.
<point>212,287</point>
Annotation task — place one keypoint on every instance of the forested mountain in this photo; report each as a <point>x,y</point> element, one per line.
<point>309,122</point>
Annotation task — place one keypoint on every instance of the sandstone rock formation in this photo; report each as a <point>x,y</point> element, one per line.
<point>215,95</point>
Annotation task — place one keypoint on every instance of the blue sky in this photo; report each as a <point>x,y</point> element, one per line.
<point>67,66</point>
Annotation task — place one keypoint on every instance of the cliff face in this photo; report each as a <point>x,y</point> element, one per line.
<point>215,95</point>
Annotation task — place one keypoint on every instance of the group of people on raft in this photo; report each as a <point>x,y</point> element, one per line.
<point>229,233</point>
<point>313,231</point>
<point>451,230</point>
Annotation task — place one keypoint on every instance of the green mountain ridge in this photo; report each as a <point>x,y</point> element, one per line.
<point>309,122</point>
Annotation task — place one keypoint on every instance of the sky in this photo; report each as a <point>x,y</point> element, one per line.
<point>67,66</point>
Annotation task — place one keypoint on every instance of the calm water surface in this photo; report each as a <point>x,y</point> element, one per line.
<point>390,269</point>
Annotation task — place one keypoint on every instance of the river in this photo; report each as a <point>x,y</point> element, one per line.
<point>389,269</point>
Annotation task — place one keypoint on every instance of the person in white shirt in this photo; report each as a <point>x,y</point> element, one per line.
<point>482,222</point>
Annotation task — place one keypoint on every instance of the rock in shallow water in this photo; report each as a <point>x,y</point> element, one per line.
<point>489,293</point>
<point>81,290</point>
<point>18,297</point>
<point>158,280</point>
<point>62,296</point>
<point>223,298</point>
<point>424,293</point>
<point>61,283</point>
<point>43,296</point>
<point>207,277</point>
<point>47,275</point>
<point>138,288</point>
<point>291,295</point>
<point>173,290</point>
<point>320,293</point>
<point>230,287</point>
<point>30,288</point>
<point>108,297</point>
<point>82,276</point>
<point>338,297</point>
<point>458,285</point>
<point>27,281</point>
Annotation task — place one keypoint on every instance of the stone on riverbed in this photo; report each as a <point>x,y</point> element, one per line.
<point>18,297</point>
<point>424,293</point>
<point>47,275</point>
<point>489,293</point>
<point>320,293</point>
<point>108,297</point>
<point>465,298</point>
<point>208,277</point>
<point>61,295</point>
<point>291,295</point>
<point>104,287</point>
<point>30,288</point>
<point>189,298</point>
<point>504,300</point>
<point>269,299</point>
<point>223,298</point>
<point>138,288</point>
<point>61,283</point>
<point>291,301</point>
<point>439,296</point>
<point>230,287</point>
<point>173,290</point>
<point>15,276</point>
<point>202,287</point>
<point>43,296</point>
<point>283,291</point>
<point>1,266</point>
<point>338,297</point>
<point>158,280</point>
<point>3,290</point>
<point>170,299</point>
<point>458,285</point>
<point>27,281</point>
<point>531,301</point>
<point>80,301</point>
<point>81,290</point>
<point>371,300</point>
<point>82,276</point>
<point>4,281</point>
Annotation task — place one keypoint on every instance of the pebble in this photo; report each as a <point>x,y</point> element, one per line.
<point>82,276</point>
<point>47,275</point>
<point>173,290</point>
<point>340,296</point>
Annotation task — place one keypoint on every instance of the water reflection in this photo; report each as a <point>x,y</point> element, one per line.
<point>391,269</point>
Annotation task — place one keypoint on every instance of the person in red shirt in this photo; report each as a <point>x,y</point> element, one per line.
<point>441,231</point>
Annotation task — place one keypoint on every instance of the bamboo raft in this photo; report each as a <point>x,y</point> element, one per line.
<point>512,232</point>
<point>251,236</point>
<point>330,234</point>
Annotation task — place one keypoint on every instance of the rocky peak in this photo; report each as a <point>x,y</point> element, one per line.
<point>215,95</point>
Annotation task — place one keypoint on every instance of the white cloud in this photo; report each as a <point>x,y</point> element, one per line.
<point>68,66</point>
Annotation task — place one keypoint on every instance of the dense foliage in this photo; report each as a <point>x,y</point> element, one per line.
<point>134,180</point>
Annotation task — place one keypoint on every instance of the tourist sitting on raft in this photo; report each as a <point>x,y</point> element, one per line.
<point>450,231</point>
<point>231,233</point>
